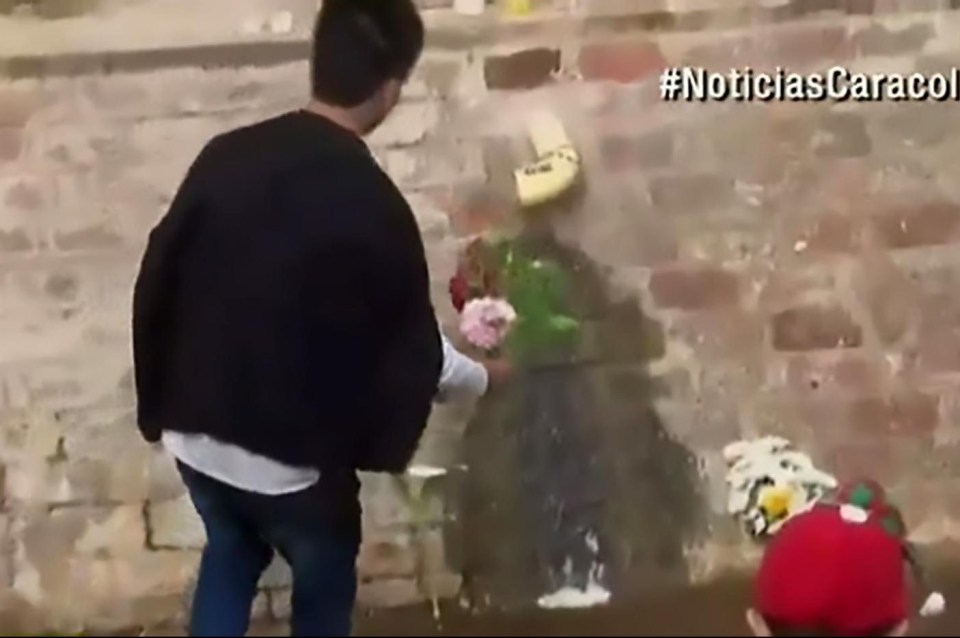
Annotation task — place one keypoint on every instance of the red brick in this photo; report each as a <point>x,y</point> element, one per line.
<point>723,333</point>
<point>692,288</point>
<point>627,234</point>
<point>61,286</point>
<point>924,225</point>
<point>17,106</point>
<point>784,286</point>
<point>879,40</point>
<point>621,62</point>
<point>803,44</point>
<point>855,373</point>
<point>855,460</point>
<point>652,243</point>
<point>25,195</point>
<point>833,373</point>
<point>795,45</point>
<point>521,70</point>
<point>99,237</point>
<point>704,423</point>
<point>723,55</point>
<point>860,7</point>
<point>804,7</point>
<point>841,186</point>
<point>842,135</point>
<point>675,384</point>
<point>950,417</point>
<point>439,77</point>
<point>14,241</point>
<point>388,592</point>
<point>889,296</point>
<point>920,498</point>
<point>815,327</point>
<point>830,233</point>
<point>501,156</point>
<point>691,194</point>
<point>939,284</point>
<point>905,413</point>
<point>654,150</point>
<point>385,557</point>
<point>10,145</point>
<point>474,213</point>
<point>919,125</point>
<point>949,492</point>
<point>938,350</point>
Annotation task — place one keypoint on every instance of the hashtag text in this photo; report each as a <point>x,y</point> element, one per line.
<point>838,84</point>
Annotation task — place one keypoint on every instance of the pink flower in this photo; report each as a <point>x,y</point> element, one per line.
<point>485,322</point>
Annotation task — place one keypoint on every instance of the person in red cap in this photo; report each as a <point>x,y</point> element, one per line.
<point>839,569</point>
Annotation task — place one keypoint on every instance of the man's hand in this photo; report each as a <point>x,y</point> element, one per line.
<point>499,371</point>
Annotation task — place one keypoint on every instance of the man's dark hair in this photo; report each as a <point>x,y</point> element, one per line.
<point>360,44</point>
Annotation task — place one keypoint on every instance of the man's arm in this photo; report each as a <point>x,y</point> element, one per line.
<point>372,270</point>
<point>408,375</point>
<point>461,375</point>
<point>152,299</point>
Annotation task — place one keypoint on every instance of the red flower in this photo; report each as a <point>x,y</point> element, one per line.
<point>459,291</point>
<point>477,275</point>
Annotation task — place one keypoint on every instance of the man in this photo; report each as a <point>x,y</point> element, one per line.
<point>840,569</point>
<point>284,336</point>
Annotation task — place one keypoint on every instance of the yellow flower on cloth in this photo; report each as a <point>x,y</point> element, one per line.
<point>775,502</point>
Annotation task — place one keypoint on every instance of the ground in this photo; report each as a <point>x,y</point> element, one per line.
<point>717,610</point>
<point>714,610</point>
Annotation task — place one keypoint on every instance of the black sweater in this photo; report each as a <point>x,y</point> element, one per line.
<point>283,303</point>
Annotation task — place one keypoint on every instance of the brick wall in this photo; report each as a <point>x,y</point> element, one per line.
<point>797,259</point>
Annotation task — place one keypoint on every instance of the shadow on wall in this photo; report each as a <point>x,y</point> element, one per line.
<point>572,479</point>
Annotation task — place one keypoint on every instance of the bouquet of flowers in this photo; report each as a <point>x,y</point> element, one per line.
<point>485,322</point>
<point>506,298</point>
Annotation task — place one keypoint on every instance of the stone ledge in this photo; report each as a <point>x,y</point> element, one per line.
<point>448,31</point>
<point>250,54</point>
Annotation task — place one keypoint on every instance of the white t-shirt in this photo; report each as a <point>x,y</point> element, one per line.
<point>244,470</point>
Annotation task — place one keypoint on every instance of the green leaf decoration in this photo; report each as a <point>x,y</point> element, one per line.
<point>893,525</point>
<point>564,324</point>
<point>537,291</point>
<point>862,496</point>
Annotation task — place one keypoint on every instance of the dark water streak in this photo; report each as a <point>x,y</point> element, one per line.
<point>559,476</point>
<point>713,610</point>
<point>574,448</point>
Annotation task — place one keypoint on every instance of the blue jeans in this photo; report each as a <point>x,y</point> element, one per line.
<point>316,531</point>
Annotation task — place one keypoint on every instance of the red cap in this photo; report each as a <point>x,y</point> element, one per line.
<point>833,569</point>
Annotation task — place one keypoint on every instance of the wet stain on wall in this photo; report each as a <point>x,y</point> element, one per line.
<point>570,468</point>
